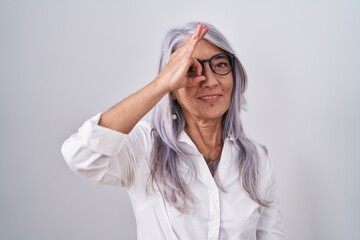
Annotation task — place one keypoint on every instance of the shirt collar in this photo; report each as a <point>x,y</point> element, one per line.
<point>184,137</point>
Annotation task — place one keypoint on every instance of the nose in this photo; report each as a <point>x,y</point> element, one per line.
<point>210,77</point>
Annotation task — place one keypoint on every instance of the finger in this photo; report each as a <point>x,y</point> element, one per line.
<point>193,81</point>
<point>197,32</point>
<point>200,32</point>
<point>204,31</point>
<point>196,37</point>
<point>199,79</point>
<point>195,68</point>
<point>198,67</point>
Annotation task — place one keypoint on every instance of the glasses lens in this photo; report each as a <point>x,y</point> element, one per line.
<point>221,64</point>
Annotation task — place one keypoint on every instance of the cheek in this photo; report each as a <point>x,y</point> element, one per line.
<point>231,85</point>
<point>228,88</point>
<point>228,85</point>
<point>184,95</point>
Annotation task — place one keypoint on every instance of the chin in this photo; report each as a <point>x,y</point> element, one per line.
<point>214,115</point>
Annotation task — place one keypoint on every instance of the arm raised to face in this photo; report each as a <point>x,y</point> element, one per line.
<point>124,116</point>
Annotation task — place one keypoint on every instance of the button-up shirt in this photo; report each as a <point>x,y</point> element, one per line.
<point>110,157</point>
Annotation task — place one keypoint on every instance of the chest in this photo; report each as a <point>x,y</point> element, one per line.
<point>218,213</point>
<point>215,214</point>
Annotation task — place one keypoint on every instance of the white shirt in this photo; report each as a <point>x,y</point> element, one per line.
<point>110,157</point>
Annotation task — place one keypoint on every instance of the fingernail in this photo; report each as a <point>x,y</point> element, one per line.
<point>204,26</point>
<point>199,24</point>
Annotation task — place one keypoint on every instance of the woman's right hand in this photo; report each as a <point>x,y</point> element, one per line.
<point>124,115</point>
<point>175,74</point>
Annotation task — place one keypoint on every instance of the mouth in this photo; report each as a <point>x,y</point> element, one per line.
<point>210,98</point>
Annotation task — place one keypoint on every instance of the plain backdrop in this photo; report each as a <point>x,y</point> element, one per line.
<point>62,62</point>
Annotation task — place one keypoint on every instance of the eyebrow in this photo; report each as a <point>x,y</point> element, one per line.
<point>209,57</point>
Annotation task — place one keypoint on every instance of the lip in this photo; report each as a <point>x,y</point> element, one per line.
<point>210,98</point>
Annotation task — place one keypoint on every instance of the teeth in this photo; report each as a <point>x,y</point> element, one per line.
<point>209,97</point>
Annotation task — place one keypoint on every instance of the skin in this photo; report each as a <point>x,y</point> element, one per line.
<point>205,103</point>
<point>203,121</point>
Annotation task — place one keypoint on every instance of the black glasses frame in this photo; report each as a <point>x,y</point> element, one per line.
<point>230,56</point>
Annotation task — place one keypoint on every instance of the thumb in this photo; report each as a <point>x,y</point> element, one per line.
<point>193,81</point>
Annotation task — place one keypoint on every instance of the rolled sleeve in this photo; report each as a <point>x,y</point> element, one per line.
<point>106,156</point>
<point>99,139</point>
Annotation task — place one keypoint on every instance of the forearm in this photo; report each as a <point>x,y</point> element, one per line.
<point>126,114</point>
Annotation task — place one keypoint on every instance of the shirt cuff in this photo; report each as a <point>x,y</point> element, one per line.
<point>100,139</point>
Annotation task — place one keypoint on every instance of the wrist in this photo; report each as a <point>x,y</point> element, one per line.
<point>162,85</point>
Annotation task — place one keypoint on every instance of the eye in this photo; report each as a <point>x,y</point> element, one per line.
<point>221,65</point>
<point>191,71</point>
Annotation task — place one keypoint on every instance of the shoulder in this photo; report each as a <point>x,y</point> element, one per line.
<point>142,126</point>
<point>263,155</point>
<point>265,162</point>
<point>267,172</point>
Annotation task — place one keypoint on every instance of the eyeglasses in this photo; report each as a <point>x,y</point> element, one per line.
<point>221,64</point>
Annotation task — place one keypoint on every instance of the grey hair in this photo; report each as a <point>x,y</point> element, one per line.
<point>164,164</point>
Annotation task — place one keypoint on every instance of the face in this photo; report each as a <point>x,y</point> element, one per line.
<point>211,98</point>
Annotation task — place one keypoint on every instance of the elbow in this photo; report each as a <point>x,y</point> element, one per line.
<point>69,153</point>
<point>84,162</point>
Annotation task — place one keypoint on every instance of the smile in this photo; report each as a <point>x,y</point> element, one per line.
<point>210,98</point>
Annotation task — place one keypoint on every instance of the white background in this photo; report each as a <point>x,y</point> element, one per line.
<point>61,62</point>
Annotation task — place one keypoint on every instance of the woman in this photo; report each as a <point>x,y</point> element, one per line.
<point>191,173</point>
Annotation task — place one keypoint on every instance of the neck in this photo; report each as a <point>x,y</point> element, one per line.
<point>206,135</point>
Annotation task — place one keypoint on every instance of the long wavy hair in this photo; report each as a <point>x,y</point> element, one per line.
<point>166,149</point>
